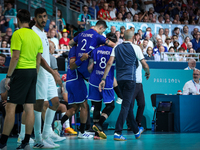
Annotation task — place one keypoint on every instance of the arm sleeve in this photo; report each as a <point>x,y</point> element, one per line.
<point>79,17</point>
<point>186,89</point>
<point>41,47</point>
<point>2,86</point>
<point>16,42</point>
<point>72,52</point>
<point>113,52</point>
<point>53,62</point>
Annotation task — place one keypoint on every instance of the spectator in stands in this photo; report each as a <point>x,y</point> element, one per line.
<point>119,40</point>
<point>193,53</point>
<point>82,19</point>
<point>150,15</point>
<point>186,40</point>
<point>160,19</point>
<point>145,19</point>
<point>159,44</point>
<point>148,36</point>
<point>135,18</point>
<point>189,45</point>
<point>112,29</point>
<point>2,59</point>
<point>171,57</point>
<point>160,35</point>
<point>168,43</point>
<point>181,57</point>
<point>64,40</point>
<point>174,8</point>
<point>196,41</point>
<point>148,4</point>
<point>191,8</point>
<point>149,55</point>
<point>122,30</point>
<point>9,34</point>
<point>119,16</point>
<point>113,10</point>
<point>166,33</point>
<point>61,20</point>
<point>167,18</point>
<point>133,29</point>
<point>191,64</point>
<point>135,7</point>
<point>195,30</point>
<point>129,8</point>
<point>128,17</point>
<point>3,21</point>
<point>186,33</point>
<point>52,25</point>
<point>93,8</point>
<point>123,11</point>
<point>184,18</point>
<point>177,33</point>
<point>136,39</point>
<point>140,34</point>
<point>160,55</point>
<point>177,18</point>
<point>53,38</point>
<point>88,3</point>
<point>176,45</point>
<point>192,87</point>
<point>4,45</point>
<point>103,13</point>
<point>143,46</point>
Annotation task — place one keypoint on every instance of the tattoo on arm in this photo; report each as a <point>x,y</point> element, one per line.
<point>107,41</point>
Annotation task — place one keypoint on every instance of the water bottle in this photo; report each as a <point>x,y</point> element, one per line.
<point>153,126</point>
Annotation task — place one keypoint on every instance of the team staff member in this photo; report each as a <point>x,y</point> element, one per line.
<point>26,48</point>
<point>126,56</point>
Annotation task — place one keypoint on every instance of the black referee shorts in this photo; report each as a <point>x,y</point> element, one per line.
<point>23,86</point>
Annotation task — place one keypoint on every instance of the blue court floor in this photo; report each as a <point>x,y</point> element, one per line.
<point>148,141</point>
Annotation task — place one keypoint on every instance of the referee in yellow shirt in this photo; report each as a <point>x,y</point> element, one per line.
<point>26,48</point>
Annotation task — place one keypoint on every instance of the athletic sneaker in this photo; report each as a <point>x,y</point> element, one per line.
<point>25,146</point>
<point>50,141</point>
<point>98,138</point>
<point>97,128</point>
<point>57,127</point>
<point>118,137</point>
<point>84,135</point>
<point>42,144</point>
<point>70,131</point>
<point>141,129</point>
<point>119,101</point>
<point>3,147</point>
<point>137,136</point>
<point>56,138</point>
<point>20,139</point>
<point>90,131</point>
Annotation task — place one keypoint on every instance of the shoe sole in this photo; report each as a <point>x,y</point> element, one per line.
<point>101,133</point>
<point>116,139</point>
<point>139,136</point>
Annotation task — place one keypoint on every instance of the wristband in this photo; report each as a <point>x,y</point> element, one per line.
<point>103,79</point>
<point>78,62</point>
<point>8,76</point>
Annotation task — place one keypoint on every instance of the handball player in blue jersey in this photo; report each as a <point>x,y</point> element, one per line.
<point>86,42</point>
<point>97,64</point>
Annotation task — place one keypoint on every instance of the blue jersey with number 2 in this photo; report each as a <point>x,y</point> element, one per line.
<point>87,41</point>
<point>101,55</point>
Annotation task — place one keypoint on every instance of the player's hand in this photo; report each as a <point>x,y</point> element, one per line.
<point>58,80</point>
<point>7,84</point>
<point>101,85</point>
<point>84,57</point>
<point>4,103</point>
<point>147,76</point>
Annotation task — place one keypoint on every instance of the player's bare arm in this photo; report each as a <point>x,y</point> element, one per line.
<point>72,43</point>
<point>110,43</point>
<point>90,65</point>
<point>74,63</point>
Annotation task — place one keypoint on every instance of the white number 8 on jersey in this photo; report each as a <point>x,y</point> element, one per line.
<point>102,64</point>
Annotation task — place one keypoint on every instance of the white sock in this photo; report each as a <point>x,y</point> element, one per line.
<point>37,125</point>
<point>22,131</point>
<point>49,116</point>
<point>66,122</point>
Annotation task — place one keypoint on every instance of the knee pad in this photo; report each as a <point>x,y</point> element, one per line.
<point>109,108</point>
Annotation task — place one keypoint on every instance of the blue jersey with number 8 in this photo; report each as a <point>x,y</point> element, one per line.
<point>87,41</point>
<point>101,56</point>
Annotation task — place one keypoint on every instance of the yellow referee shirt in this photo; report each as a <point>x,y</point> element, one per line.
<point>29,44</point>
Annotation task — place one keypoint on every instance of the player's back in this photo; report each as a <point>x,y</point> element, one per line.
<point>101,55</point>
<point>87,42</point>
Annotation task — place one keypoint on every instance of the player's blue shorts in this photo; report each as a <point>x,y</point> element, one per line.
<point>107,95</point>
<point>77,91</point>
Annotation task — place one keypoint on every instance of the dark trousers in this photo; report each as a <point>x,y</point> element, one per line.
<point>139,96</point>
<point>127,88</point>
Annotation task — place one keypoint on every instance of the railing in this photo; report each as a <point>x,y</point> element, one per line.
<point>186,56</point>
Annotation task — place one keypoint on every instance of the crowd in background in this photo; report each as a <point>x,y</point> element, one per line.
<point>153,11</point>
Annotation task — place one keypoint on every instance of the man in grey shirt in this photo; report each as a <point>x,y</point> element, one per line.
<point>126,56</point>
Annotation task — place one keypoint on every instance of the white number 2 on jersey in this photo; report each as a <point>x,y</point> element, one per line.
<point>83,47</point>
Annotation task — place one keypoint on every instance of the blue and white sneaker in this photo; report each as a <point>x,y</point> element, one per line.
<point>137,136</point>
<point>84,135</point>
<point>57,127</point>
<point>118,137</point>
<point>141,129</point>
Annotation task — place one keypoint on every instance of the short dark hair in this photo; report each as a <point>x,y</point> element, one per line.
<point>2,55</point>
<point>101,23</point>
<point>112,37</point>
<point>84,6</point>
<point>39,11</point>
<point>176,28</point>
<point>31,23</point>
<point>24,16</point>
<point>60,13</point>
